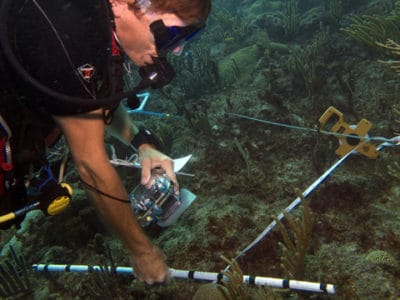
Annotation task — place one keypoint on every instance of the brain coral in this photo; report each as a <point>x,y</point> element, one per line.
<point>382,258</point>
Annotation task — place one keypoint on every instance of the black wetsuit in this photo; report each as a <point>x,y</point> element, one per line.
<point>57,42</point>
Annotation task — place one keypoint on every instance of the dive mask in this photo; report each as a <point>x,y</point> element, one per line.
<point>160,72</point>
<point>168,38</point>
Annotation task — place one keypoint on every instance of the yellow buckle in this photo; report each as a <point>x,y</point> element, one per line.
<point>61,202</point>
<point>347,143</point>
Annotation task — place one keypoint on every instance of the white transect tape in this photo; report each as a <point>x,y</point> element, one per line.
<point>395,141</point>
<point>305,286</point>
<point>336,134</point>
<point>295,203</point>
<point>196,275</point>
<point>77,268</point>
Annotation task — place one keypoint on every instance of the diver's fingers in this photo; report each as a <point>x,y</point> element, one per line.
<point>146,171</point>
<point>172,176</point>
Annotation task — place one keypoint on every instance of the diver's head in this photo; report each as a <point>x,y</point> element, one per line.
<point>152,28</point>
<point>174,22</point>
<point>189,11</point>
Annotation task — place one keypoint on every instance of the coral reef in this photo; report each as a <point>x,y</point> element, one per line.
<point>233,288</point>
<point>14,279</point>
<point>303,62</point>
<point>382,258</point>
<point>295,245</point>
<point>394,49</point>
<point>291,18</point>
<point>372,29</point>
<point>246,171</point>
<point>240,64</point>
<point>335,9</point>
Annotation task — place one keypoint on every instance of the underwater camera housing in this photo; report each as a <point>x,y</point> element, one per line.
<point>159,204</point>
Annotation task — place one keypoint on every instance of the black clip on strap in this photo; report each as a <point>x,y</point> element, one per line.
<point>144,136</point>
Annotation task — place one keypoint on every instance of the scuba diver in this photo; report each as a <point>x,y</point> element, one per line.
<point>70,57</point>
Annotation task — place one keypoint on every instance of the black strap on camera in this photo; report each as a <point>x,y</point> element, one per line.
<point>144,136</point>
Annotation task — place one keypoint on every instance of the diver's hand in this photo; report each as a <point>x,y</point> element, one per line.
<point>150,268</point>
<point>151,158</point>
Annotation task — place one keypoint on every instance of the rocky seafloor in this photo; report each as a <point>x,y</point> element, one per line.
<point>247,171</point>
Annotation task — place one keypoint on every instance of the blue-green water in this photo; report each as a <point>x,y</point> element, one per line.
<point>282,61</point>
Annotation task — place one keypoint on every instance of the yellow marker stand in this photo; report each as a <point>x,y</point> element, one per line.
<point>348,143</point>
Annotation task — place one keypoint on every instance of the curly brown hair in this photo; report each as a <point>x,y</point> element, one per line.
<point>190,11</point>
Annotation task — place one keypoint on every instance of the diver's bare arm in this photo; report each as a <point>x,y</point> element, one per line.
<point>85,136</point>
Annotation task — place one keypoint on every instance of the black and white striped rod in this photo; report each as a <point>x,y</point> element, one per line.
<point>297,285</point>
